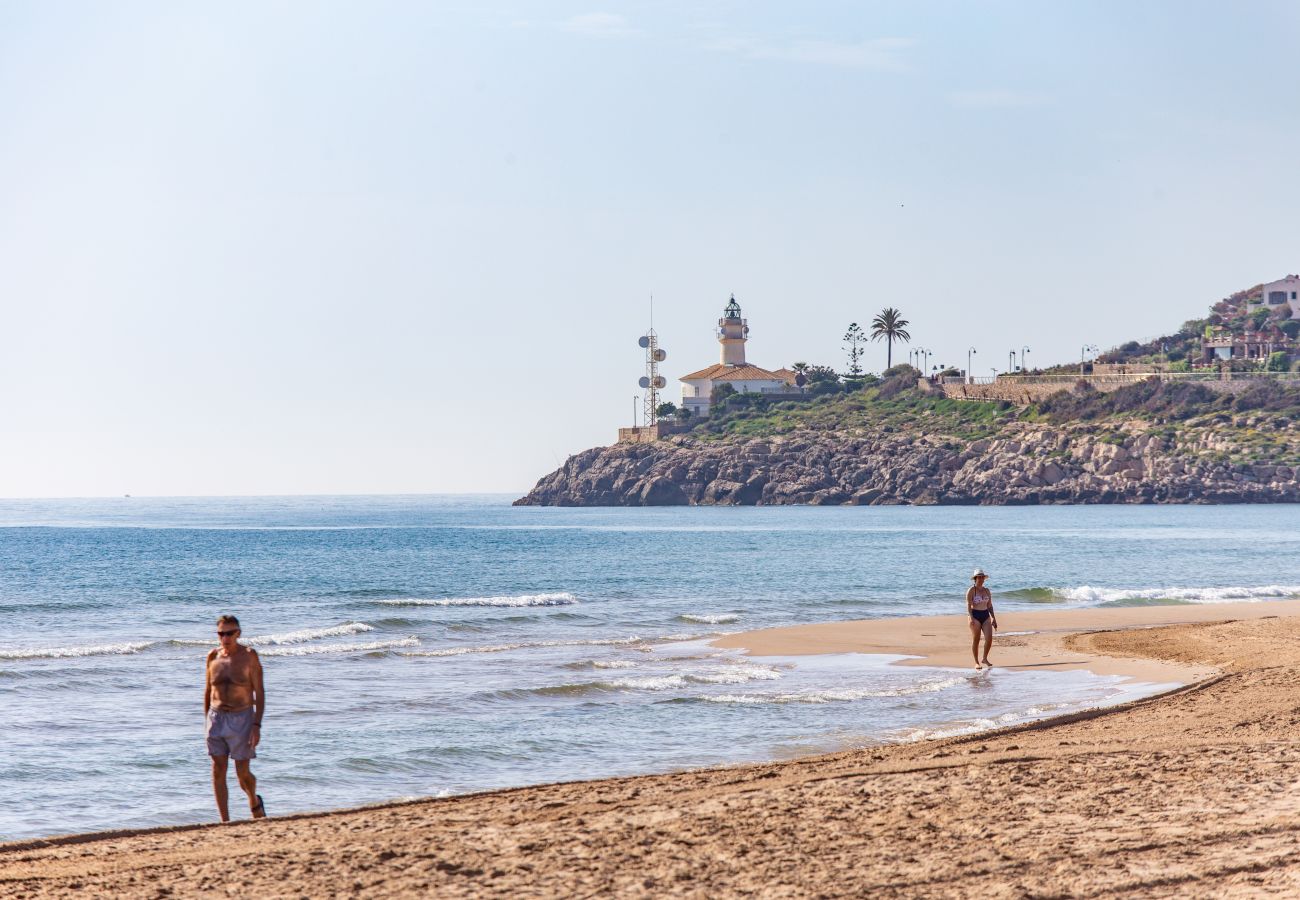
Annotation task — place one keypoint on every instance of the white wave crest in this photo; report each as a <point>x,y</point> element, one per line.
<point>562,598</point>
<point>309,634</point>
<point>612,664</point>
<point>343,648</point>
<point>289,637</point>
<point>525,645</point>
<point>70,652</point>
<point>719,619</point>
<point>739,674</point>
<point>734,675</point>
<point>1089,594</point>
<point>832,696</point>
<point>646,683</point>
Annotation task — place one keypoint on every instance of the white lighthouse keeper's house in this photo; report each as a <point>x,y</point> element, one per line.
<point>733,332</point>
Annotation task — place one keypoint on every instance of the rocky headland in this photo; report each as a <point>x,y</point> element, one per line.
<point>1148,444</point>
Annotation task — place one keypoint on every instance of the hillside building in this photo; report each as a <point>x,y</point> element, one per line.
<point>1275,293</point>
<point>732,368</point>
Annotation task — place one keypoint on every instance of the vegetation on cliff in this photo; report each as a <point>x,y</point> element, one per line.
<point>897,442</point>
<point>895,438</point>
<point>1255,424</point>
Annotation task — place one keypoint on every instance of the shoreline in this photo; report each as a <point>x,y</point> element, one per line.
<point>1049,639</point>
<point>887,819</point>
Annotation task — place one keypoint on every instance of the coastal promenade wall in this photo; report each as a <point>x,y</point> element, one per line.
<point>1025,389</point>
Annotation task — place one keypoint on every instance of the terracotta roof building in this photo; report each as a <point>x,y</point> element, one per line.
<point>732,369</point>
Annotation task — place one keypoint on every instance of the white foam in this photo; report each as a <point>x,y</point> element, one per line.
<point>738,674</point>
<point>525,645</point>
<point>1089,594</point>
<point>343,648</point>
<point>70,652</point>
<point>309,634</point>
<point>559,599</point>
<point>647,683</point>
<point>289,637</point>
<point>719,619</point>
<point>833,696</point>
<point>734,675</point>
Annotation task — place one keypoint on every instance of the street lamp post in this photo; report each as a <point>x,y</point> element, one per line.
<point>636,402</point>
<point>1023,352</point>
<point>1083,353</point>
<point>1011,362</point>
<point>970,379</point>
<point>927,361</point>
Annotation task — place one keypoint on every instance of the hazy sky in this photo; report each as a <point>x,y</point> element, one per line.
<point>312,247</point>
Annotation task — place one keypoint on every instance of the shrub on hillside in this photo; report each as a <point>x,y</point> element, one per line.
<point>896,384</point>
<point>1177,400</point>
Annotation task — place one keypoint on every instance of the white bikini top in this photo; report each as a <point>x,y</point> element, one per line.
<point>982,599</point>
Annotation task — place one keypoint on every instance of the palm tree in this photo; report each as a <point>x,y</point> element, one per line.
<point>891,326</point>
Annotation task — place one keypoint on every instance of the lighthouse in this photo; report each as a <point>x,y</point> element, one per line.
<point>744,378</point>
<point>732,334</point>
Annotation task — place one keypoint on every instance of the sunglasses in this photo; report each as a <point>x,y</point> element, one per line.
<point>228,633</point>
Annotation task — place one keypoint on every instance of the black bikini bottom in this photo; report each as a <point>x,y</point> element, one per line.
<point>981,615</point>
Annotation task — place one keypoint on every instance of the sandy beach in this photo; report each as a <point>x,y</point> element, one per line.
<point>1195,792</point>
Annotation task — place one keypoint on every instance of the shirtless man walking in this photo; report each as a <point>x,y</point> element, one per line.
<point>233,703</point>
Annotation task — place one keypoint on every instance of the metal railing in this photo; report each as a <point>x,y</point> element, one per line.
<point>1129,377</point>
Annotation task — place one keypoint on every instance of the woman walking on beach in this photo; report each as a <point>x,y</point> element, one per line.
<point>979,605</point>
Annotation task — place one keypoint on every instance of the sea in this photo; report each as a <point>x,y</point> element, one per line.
<point>426,646</point>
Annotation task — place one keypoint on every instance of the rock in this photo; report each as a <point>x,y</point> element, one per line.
<point>885,467</point>
<point>662,492</point>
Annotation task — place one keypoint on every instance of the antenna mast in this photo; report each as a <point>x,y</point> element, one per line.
<point>652,382</point>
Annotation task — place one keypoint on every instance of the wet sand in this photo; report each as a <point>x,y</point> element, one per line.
<point>1192,793</point>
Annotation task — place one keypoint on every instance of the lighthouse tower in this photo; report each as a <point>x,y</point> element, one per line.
<point>732,334</point>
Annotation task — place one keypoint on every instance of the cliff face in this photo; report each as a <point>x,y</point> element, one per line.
<point>1026,463</point>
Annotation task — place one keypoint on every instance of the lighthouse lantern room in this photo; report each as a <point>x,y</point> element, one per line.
<point>732,334</point>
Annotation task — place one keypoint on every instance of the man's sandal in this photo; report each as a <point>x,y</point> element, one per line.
<point>259,808</point>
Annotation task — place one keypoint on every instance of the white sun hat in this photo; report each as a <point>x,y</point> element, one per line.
<point>977,573</point>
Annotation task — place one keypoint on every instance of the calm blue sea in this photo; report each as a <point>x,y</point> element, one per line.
<point>419,646</point>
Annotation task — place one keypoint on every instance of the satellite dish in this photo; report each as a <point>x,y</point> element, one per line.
<point>644,382</point>
<point>660,355</point>
<point>660,381</point>
<point>643,341</point>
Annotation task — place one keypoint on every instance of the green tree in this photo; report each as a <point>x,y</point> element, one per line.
<point>891,326</point>
<point>854,338</point>
<point>1276,362</point>
<point>666,409</point>
<point>718,399</point>
<point>822,380</point>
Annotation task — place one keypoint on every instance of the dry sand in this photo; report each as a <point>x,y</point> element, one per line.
<point>1194,793</point>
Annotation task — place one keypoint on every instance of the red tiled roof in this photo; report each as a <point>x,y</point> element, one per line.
<point>720,372</point>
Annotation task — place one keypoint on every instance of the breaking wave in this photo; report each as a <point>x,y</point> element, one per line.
<point>833,696</point>
<point>720,619</point>
<point>525,645</point>
<point>721,675</point>
<point>1162,596</point>
<point>300,636</point>
<point>70,652</point>
<point>562,598</point>
<point>343,648</point>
